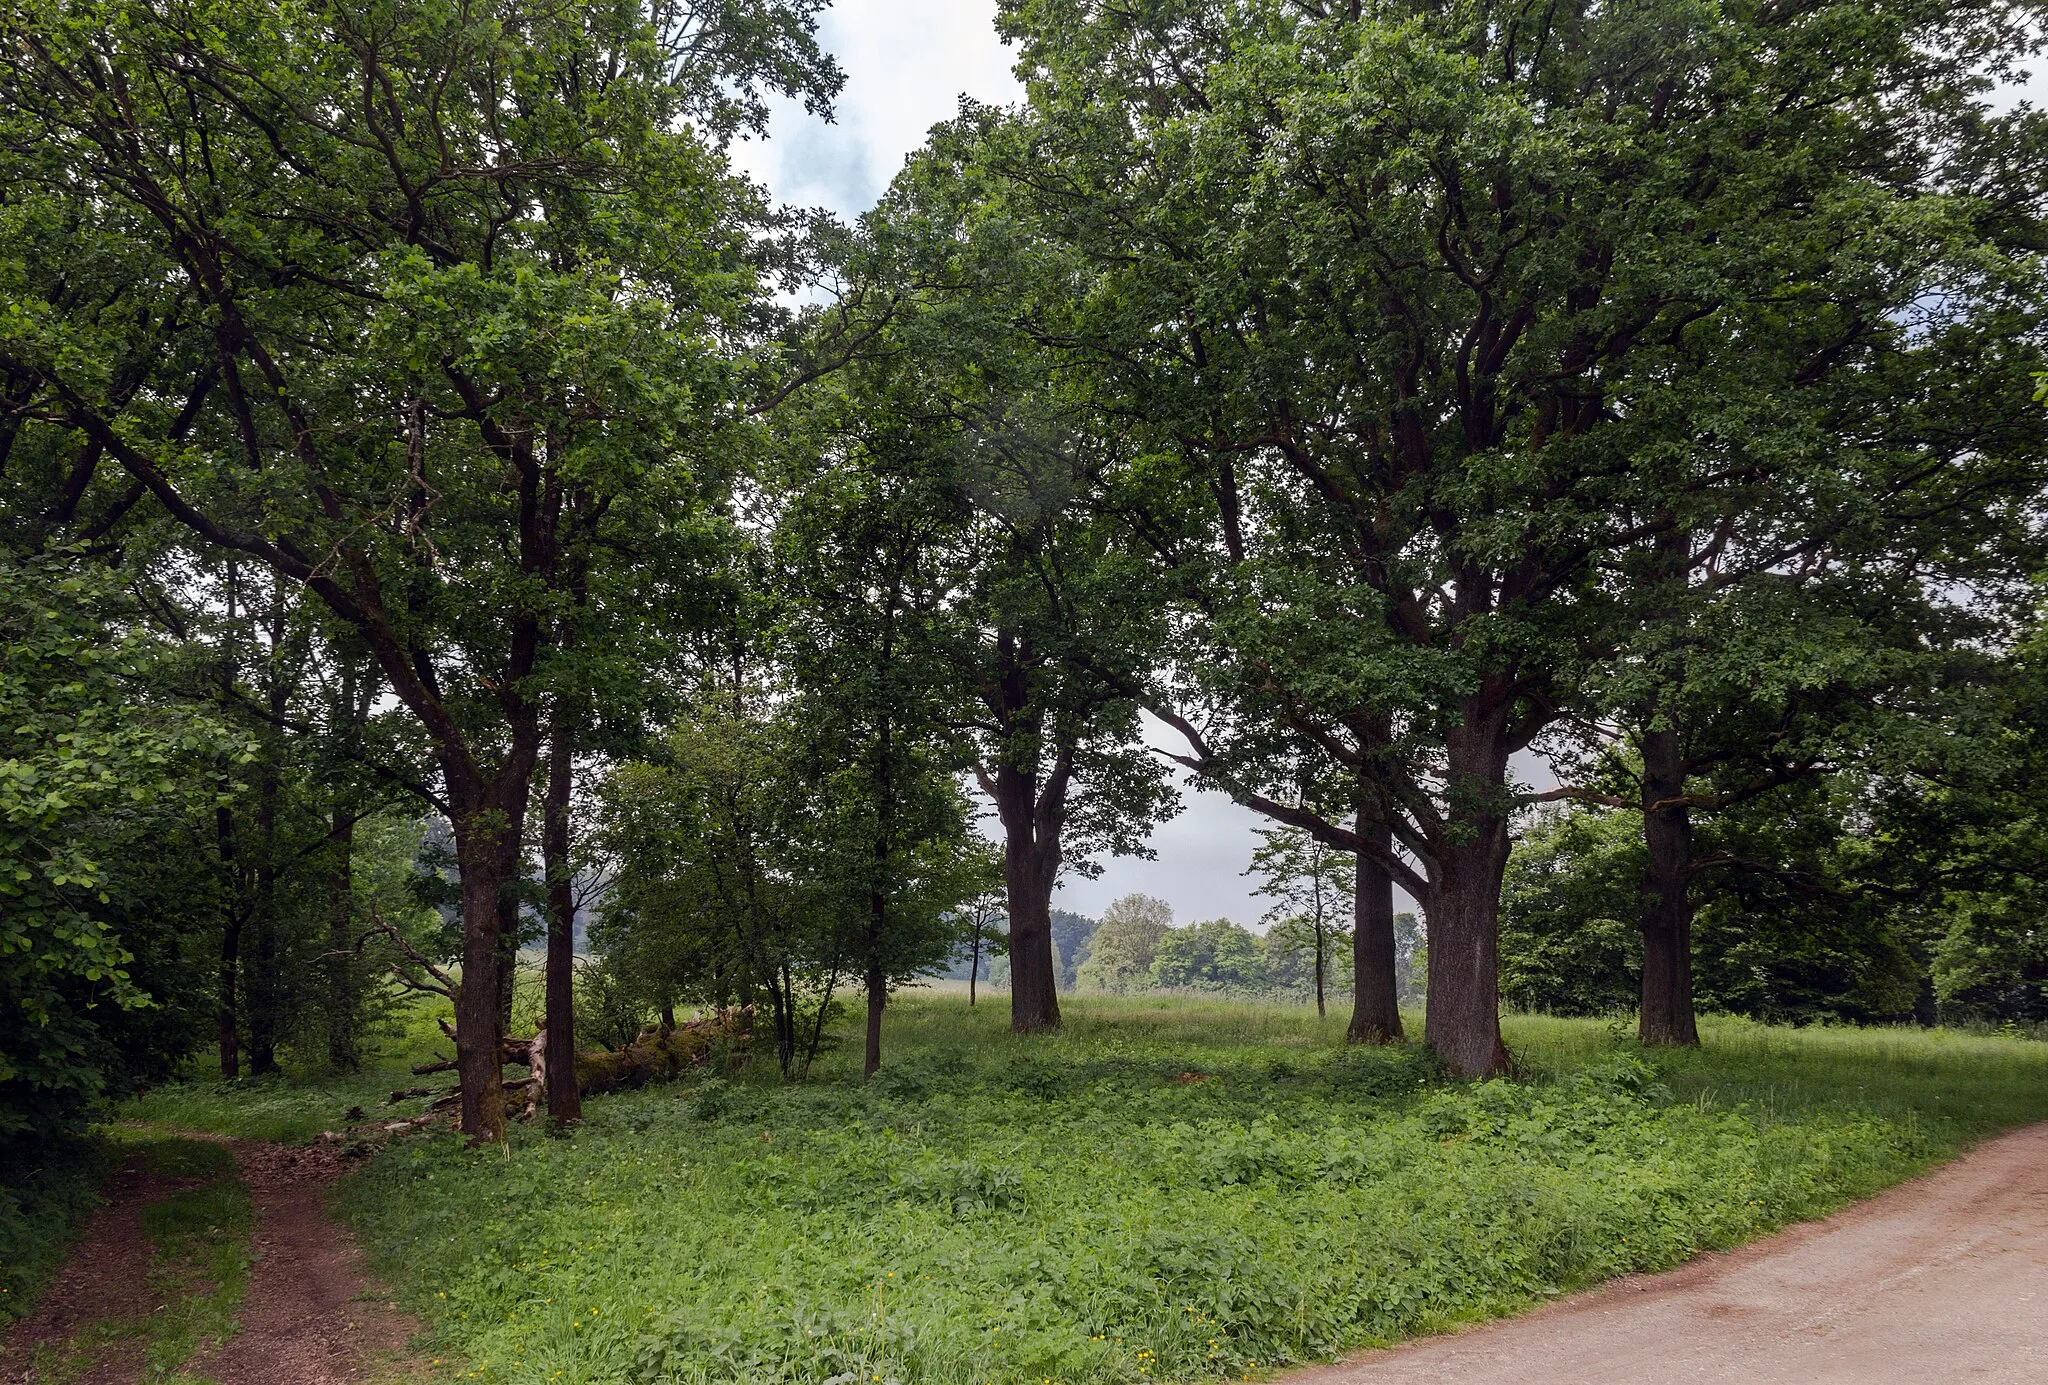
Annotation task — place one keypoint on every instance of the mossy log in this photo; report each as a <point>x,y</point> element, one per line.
<point>658,1055</point>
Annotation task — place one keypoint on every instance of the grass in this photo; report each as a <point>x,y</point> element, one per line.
<point>1169,1189</point>
<point>198,1272</point>
<point>294,1106</point>
<point>45,1200</point>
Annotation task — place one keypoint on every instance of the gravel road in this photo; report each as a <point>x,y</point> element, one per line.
<point>1944,1279</point>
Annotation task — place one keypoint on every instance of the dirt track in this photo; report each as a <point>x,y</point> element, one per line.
<point>1942,1280</point>
<point>313,1315</point>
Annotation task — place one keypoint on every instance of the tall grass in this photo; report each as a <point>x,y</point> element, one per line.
<point>1170,1188</point>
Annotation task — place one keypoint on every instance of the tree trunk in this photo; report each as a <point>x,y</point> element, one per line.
<point>485,860</point>
<point>1034,976</point>
<point>508,955</point>
<point>230,949</point>
<point>1667,1009</point>
<point>974,964</point>
<point>1031,867</point>
<point>1463,1017</point>
<point>342,1053</point>
<point>1322,937</point>
<point>878,997</point>
<point>263,979</point>
<point>1376,991</point>
<point>565,1102</point>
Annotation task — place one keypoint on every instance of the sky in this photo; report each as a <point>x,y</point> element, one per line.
<point>908,63</point>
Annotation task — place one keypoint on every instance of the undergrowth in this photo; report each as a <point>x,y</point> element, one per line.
<point>47,1191</point>
<point>295,1105</point>
<point>1167,1190</point>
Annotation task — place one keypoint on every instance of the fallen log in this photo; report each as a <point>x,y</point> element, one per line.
<point>517,1051</point>
<point>659,1055</point>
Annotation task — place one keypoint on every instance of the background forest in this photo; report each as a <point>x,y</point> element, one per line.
<point>1584,467</point>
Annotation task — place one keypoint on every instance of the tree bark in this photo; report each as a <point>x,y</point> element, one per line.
<point>342,1053</point>
<point>262,973</point>
<point>1376,993</point>
<point>485,860</point>
<point>508,955</point>
<point>227,1025</point>
<point>1032,815</point>
<point>878,997</point>
<point>1667,1004</point>
<point>1462,1021</point>
<point>565,1102</point>
<point>1029,870</point>
<point>974,964</point>
<point>1322,935</point>
<point>264,982</point>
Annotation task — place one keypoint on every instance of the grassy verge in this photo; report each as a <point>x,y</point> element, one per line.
<point>46,1195</point>
<point>1169,1189</point>
<point>294,1106</point>
<point>198,1273</point>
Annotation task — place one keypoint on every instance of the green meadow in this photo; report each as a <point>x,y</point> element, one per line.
<point>1169,1189</point>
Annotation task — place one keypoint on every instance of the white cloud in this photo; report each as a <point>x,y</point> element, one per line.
<point>907,64</point>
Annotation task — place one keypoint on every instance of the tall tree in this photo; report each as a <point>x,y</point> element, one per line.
<point>870,561</point>
<point>1310,885</point>
<point>516,268</point>
<point>1054,622</point>
<point>1435,314</point>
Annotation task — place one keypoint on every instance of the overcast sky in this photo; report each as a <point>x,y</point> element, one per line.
<point>908,62</point>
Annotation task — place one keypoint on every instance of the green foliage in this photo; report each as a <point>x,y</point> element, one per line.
<point>295,1106</point>
<point>1570,943</point>
<point>1215,956</point>
<point>105,787</point>
<point>1168,1189</point>
<point>1313,889</point>
<point>1124,944</point>
<point>47,1191</point>
<point>1073,938</point>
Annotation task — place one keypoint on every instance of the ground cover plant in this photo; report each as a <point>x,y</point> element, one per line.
<point>1168,1189</point>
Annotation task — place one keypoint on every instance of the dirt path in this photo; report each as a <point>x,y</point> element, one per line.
<point>1944,1279</point>
<point>102,1281</point>
<point>312,1316</point>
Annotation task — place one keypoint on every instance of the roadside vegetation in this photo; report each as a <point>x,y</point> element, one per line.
<point>1170,1188</point>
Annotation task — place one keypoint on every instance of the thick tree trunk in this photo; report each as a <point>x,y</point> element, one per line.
<point>1667,1009</point>
<point>1376,992</point>
<point>1463,1017</point>
<point>1034,976</point>
<point>228,1028</point>
<point>565,1102</point>
<point>878,997</point>
<point>342,1053</point>
<point>485,861</point>
<point>1031,868</point>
